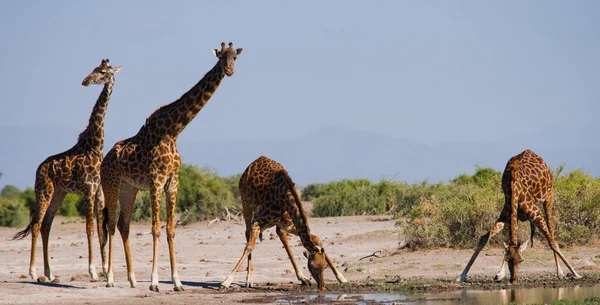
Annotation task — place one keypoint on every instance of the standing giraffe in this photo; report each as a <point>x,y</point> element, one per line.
<point>76,170</point>
<point>526,182</point>
<point>270,199</point>
<point>149,160</point>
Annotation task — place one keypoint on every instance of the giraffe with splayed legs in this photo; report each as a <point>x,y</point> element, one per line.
<point>527,185</point>
<point>149,160</point>
<point>76,170</point>
<point>269,199</point>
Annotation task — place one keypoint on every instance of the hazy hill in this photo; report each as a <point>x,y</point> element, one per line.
<point>325,154</point>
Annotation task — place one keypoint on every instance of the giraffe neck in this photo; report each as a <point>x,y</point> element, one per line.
<point>296,212</point>
<point>171,119</point>
<point>93,136</point>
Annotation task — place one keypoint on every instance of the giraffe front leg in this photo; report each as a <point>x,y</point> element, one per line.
<point>554,246</point>
<point>102,230</point>
<point>89,230</point>
<point>482,242</point>
<point>155,194</point>
<point>283,237</point>
<point>338,275</point>
<point>171,194</point>
<point>252,233</point>
<point>502,273</point>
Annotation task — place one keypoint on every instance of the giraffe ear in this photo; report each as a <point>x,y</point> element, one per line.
<point>305,253</point>
<point>216,52</point>
<point>115,69</point>
<point>238,51</point>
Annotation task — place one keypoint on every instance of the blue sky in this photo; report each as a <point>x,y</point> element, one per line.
<point>427,71</point>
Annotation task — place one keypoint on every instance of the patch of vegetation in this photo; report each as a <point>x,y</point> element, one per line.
<point>457,213</point>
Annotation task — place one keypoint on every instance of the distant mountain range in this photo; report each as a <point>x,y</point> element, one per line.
<point>326,154</point>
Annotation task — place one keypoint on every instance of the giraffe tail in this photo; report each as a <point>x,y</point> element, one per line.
<point>24,233</point>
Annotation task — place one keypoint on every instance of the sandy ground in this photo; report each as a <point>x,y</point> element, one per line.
<point>206,253</point>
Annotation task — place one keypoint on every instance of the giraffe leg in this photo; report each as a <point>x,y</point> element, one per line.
<point>155,196</point>
<point>338,275</point>
<point>57,199</point>
<point>550,223</point>
<point>109,222</point>
<point>252,232</point>
<point>283,237</point>
<point>102,233</point>
<point>171,194</point>
<point>43,199</point>
<point>482,242</point>
<point>126,202</point>
<point>89,200</point>
<point>541,223</point>
<point>249,280</point>
<point>502,273</point>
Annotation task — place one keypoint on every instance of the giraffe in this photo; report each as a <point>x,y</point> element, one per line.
<point>76,170</point>
<point>527,183</point>
<point>149,160</point>
<point>270,199</point>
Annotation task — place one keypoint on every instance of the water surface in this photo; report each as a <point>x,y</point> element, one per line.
<point>464,297</point>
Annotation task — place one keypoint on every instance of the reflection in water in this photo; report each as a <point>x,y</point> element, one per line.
<point>466,297</point>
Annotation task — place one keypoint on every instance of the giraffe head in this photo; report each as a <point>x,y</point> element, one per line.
<point>102,74</point>
<point>227,57</point>
<point>317,262</point>
<point>513,256</point>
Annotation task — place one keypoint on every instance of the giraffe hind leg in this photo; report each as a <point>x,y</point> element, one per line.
<point>127,196</point>
<point>57,199</point>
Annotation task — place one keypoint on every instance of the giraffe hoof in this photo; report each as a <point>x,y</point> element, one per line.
<point>110,285</point>
<point>93,280</point>
<point>178,288</point>
<point>223,288</point>
<point>154,288</point>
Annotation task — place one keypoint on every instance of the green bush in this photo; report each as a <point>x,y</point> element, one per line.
<point>576,207</point>
<point>13,212</point>
<point>313,191</point>
<point>203,194</point>
<point>349,197</point>
<point>142,209</point>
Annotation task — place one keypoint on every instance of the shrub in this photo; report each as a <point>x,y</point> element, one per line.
<point>576,207</point>
<point>142,209</point>
<point>202,194</point>
<point>13,212</point>
<point>349,197</point>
